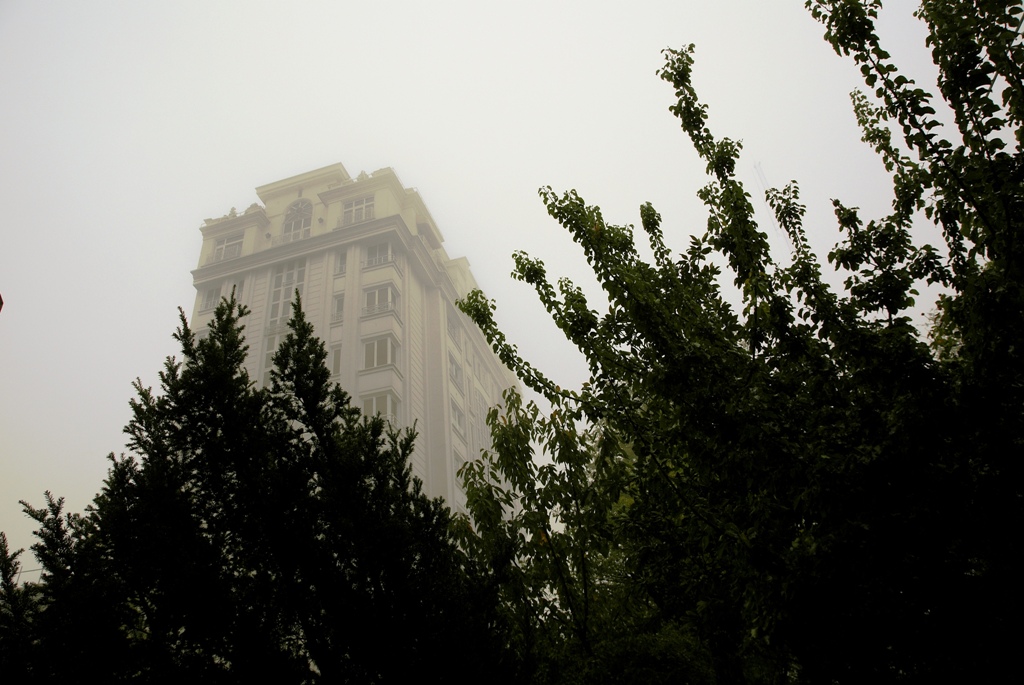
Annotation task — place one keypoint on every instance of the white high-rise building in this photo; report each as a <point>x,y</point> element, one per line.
<point>380,290</point>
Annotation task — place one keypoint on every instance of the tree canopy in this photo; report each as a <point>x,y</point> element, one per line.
<point>803,487</point>
<point>250,534</point>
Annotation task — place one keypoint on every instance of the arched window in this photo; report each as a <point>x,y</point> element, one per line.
<point>297,221</point>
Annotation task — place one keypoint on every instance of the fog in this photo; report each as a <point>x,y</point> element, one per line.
<point>123,125</point>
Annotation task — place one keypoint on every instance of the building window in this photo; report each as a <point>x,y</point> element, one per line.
<point>288,279</point>
<point>379,352</point>
<point>210,299</point>
<point>455,372</point>
<point>338,313</point>
<point>237,287</point>
<point>458,461</point>
<point>270,348</point>
<point>383,403</point>
<point>297,221</point>
<point>358,210</point>
<point>379,300</point>
<point>228,248</point>
<point>479,407</point>
<point>478,436</point>
<point>335,360</point>
<point>458,418</point>
<point>378,254</point>
<point>340,262</point>
<point>454,330</point>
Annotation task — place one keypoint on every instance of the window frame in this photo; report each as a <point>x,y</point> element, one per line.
<point>358,210</point>
<point>338,308</point>
<point>210,299</point>
<point>455,373</point>
<point>392,404</point>
<point>335,360</point>
<point>378,259</point>
<point>454,329</point>
<point>238,286</point>
<point>372,360</point>
<point>458,418</point>
<point>232,243</point>
<point>271,343</point>
<point>390,304</point>
<point>340,261</point>
<point>298,221</point>
<point>279,305</point>
<point>458,462</point>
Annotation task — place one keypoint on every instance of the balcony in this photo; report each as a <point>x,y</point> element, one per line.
<point>380,308</point>
<point>290,237</point>
<point>379,260</point>
<point>225,253</point>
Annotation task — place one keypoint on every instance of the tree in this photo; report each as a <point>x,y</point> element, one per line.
<point>378,585</point>
<point>806,485</point>
<point>15,611</point>
<point>251,534</point>
<point>545,536</point>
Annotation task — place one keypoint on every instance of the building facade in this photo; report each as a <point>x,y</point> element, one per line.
<point>380,290</point>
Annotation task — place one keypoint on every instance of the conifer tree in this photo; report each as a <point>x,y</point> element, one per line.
<point>251,534</point>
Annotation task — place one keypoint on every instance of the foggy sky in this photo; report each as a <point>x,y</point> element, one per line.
<point>123,125</point>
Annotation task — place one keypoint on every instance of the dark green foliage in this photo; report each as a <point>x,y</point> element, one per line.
<point>17,603</point>
<point>801,489</point>
<point>253,535</point>
<point>546,535</point>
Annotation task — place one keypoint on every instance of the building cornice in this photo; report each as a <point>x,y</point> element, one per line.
<point>298,248</point>
<point>332,174</point>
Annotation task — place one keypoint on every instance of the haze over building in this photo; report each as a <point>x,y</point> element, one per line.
<point>380,290</point>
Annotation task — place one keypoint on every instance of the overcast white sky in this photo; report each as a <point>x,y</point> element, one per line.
<point>124,124</point>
